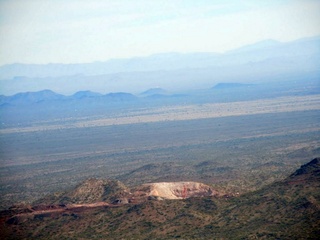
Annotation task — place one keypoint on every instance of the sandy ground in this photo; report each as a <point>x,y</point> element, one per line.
<point>191,112</point>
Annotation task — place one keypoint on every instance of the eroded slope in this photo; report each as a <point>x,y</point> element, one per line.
<point>288,209</point>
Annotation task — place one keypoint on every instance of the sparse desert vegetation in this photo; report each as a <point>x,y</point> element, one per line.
<point>236,146</point>
<point>285,209</point>
<point>159,120</point>
<point>260,144</point>
<point>183,113</point>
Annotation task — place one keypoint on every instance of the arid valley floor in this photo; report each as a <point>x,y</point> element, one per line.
<point>237,148</point>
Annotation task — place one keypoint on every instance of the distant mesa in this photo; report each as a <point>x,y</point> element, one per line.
<point>154,91</point>
<point>231,85</point>
<point>120,96</point>
<point>85,94</point>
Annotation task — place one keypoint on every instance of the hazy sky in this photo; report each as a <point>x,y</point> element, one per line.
<point>75,31</point>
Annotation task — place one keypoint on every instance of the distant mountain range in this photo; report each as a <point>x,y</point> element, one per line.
<point>213,93</point>
<point>264,61</point>
<point>261,51</point>
<point>49,96</point>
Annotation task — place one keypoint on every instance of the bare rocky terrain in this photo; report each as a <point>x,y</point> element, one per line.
<point>97,193</point>
<point>114,192</point>
<point>180,190</point>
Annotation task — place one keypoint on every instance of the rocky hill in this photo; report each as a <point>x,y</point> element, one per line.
<point>93,190</point>
<point>289,209</point>
<point>311,169</point>
<point>181,190</point>
<point>114,192</point>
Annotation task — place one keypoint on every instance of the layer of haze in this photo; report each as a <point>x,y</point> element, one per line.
<point>57,31</point>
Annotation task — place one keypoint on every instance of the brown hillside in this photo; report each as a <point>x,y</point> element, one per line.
<point>289,209</point>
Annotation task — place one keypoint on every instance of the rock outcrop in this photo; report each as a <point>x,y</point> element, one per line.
<point>180,190</point>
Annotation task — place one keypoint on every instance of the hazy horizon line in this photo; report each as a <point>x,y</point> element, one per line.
<point>162,53</point>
